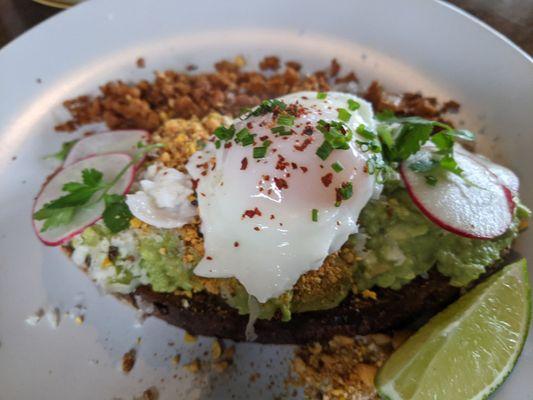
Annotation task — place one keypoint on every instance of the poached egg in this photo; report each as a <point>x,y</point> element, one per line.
<point>269,216</point>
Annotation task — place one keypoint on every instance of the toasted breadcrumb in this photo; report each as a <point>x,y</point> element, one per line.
<point>194,366</point>
<point>343,368</point>
<point>128,360</point>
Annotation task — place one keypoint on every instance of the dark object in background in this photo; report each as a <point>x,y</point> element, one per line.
<point>513,18</point>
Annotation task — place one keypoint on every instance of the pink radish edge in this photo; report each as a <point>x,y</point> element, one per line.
<point>77,232</point>
<point>443,225</point>
<point>146,135</point>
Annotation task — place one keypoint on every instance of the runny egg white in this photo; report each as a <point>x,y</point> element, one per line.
<point>267,221</point>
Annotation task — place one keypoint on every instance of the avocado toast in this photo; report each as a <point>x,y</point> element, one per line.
<point>399,267</point>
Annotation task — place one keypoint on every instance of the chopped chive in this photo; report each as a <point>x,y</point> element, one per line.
<point>218,143</point>
<point>321,95</point>
<point>286,120</point>
<point>268,106</point>
<point>337,166</point>
<point>281,130</point>
<point>224,133</point>
<point>361,130</point>
<point>324,150</point>
<point>314,215</point>
<point>346,190</point>
<point>343,115</point>
<point>260,152</point>
<point>353,105</point>
<point>244,137</point>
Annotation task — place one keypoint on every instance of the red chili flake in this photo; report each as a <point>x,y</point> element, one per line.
<point>288,175</point>
<point>249,125</point>
<point>236,244</point>
<point>304,169</point>
<point>294,165</point>
<point>272,216</point>
<point>266,177</point>
<point>301,147</point>
<point>203,173</point>
<point>252,213</point>
<point>227,145</point>
<point>263,138</point>
<point>281,183</point>
<point>327,179</point>
<point>194,183</point>
<point>244,163</point>
<point>209,258</point>
<point>281,164</point>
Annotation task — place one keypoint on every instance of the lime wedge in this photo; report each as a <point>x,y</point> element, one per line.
<point>467,350</point>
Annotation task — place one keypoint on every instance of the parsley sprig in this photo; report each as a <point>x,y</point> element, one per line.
<point>62,154</point>
<point>91,190</point>
<point>402,137</point>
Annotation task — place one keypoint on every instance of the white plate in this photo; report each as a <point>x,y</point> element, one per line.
<point>408,45</point>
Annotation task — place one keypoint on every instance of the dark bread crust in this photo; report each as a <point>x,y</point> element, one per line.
<point>208,315</point>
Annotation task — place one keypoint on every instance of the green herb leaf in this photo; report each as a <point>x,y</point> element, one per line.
<point>259,152</point>
<point>443,141</point>
<point>321,95</point>
<point>362,131</point>
<point>314,215</point>
<point>324,150</point>
<point>62,154</point>
<point>464,134</point>
<point>244,137</point>
<point>448,163</point>
<point>410,140</point>
<point>54,217</point>
<point>286,120</point>
<point>116,215</point>
<point>91,177</point>
<point>337,166</point>
<point>353,105</point>
<point>267,106</point>
<point>281,130</point>
<point>224,133</point>
<point>343,114</point>
<point>346,190</point>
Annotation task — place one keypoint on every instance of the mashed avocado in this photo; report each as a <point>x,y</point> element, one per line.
<point>401,243</point>
<point>165,268</point>
<point>396,243</point>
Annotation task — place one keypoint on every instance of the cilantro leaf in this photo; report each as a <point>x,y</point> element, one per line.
<point>117,214</point>
<point>410,140</point>
<point>54,217</point>
<point>448,163</point>
<point>91,177</point>
<point>62,154</point>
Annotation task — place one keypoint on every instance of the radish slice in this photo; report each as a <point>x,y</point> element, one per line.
<point>506,177</point>
<point>476,207</point>
<point>107,142</point>
<point>110,165</point>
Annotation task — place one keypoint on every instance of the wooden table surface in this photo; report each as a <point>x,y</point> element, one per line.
<point>514,18</point>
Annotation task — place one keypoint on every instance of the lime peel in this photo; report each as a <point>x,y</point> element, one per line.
<point>467,350</point>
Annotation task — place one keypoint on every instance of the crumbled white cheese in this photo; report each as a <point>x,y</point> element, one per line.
<point>163,199</point>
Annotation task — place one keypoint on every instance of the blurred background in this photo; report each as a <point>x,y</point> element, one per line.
<point>514,18</point>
